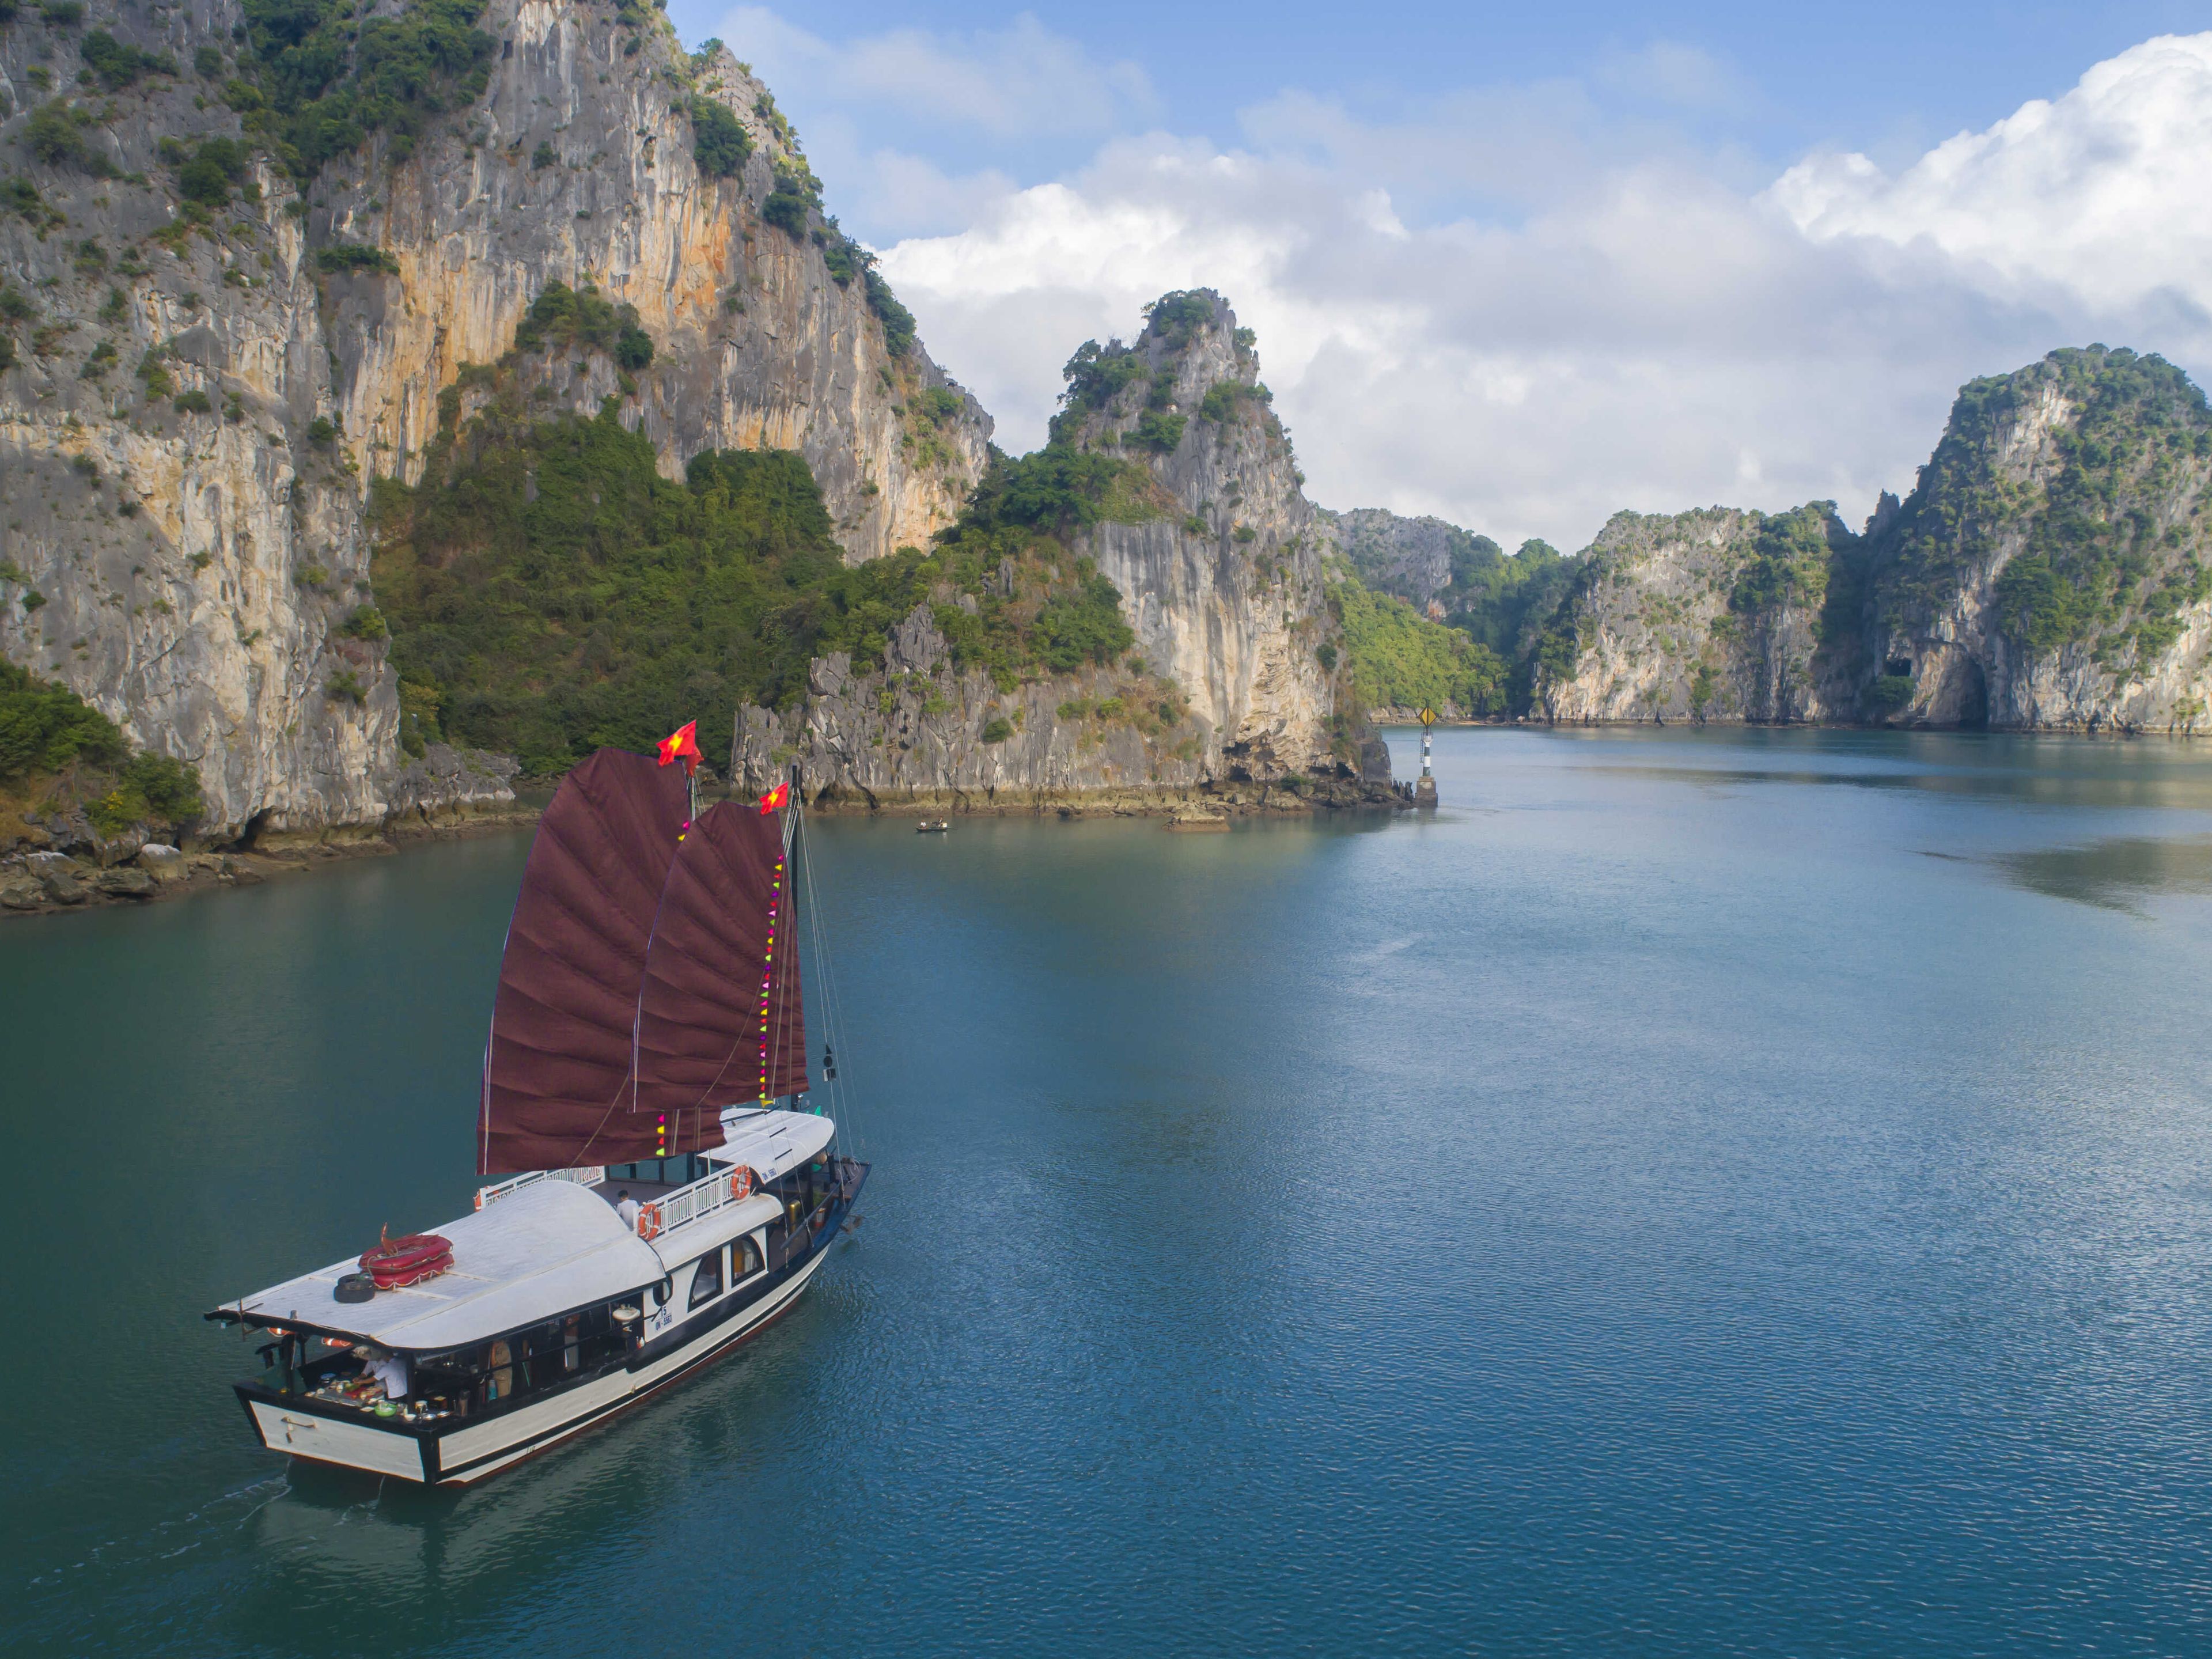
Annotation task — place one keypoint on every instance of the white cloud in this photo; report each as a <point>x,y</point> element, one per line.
<point>1618,324</point>
<point>2104,195</point>
<point>1655,340</point>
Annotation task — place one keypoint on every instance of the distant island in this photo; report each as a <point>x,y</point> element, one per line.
<point>2047,573</point>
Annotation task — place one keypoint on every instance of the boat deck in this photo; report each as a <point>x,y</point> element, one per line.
<point>548,1240</point>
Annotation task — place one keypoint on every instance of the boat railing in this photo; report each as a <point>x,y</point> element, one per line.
<point>688,1204</point>
<point>590,1175</point>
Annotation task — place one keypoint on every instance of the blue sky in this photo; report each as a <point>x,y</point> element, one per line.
<point>1871,77</point>
<point>1523,265</point>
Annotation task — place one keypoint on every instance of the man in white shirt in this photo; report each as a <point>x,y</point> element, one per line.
<point>390,1370</point>
<point>626,1207</point>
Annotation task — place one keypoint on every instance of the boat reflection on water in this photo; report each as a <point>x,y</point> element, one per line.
<point>416,1554</point>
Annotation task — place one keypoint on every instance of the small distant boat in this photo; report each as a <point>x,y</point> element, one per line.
<point>933,826</point>
<point>646,1074</point>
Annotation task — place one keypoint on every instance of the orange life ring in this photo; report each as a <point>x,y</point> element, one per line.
<point>741,1184</point>
<point>648,1221</point>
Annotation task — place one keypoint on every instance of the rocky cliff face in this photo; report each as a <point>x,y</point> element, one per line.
<point>1415,559</point>
<point>1223,587</point>
<point>2050,571</point>
<point>203,386</point>
<point>577,165</point>
<point>1231,686</point>
<point>1711,616</point>
<point>922,733</point>
<point>177,549</point>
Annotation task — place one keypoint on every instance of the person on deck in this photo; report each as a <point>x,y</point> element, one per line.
<point>626,1207</point>
<point>390,1370</point>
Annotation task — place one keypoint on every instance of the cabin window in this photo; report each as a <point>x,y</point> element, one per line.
<point>501,1383</point>
<point>548,1348</point>
<point>706,1279</point>
<point>744,1260</point>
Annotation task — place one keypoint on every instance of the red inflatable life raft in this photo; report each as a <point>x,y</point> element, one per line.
<point>395,1263</point>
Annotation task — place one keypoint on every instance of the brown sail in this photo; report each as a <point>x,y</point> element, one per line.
<point>557,1089</point>
<point>719,1015</point>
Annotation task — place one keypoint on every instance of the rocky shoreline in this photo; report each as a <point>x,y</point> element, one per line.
<point>64,864</point>
<point>60,861</point>
<point>43,883</point>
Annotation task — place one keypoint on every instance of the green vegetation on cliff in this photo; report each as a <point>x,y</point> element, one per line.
<point>59,752</point>
<point>719,143</point>
<point>548,591</point>
<point>1789,560</point>
<point>1399,658</point>
<point>1500,601</point>
<point>314,81</point>
<point>1495,597</point>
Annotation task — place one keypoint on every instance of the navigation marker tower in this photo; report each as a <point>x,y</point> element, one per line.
<point>1425,792</point>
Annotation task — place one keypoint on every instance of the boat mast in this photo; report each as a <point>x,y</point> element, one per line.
<point>795,804</point>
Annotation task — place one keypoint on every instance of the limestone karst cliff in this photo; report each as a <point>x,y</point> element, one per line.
<point>1711,616</point>
<point>2052,569</point>
<point>1455,576</point>
<point>218,337</point>
<point>275,282</point>
<point>1169,478</point>
<point>1438,616</point>
<point>2048,572</point>
<point>578,163</point>
<point>178,547</point>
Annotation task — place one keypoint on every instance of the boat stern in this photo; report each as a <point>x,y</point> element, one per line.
<point>298,1430</point>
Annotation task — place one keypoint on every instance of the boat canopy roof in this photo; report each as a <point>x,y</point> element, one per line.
<point>770,1143</point>
<point>536,1253</point>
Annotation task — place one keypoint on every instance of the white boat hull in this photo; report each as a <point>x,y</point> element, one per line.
<point>468,1451</point>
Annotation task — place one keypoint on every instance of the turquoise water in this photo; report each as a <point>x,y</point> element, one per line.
<point>1699,1193</point>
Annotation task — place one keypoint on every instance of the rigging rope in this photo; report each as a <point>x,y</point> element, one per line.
<point>840,1097</point>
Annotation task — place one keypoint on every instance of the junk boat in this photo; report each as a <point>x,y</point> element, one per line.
<point>668,1187</point>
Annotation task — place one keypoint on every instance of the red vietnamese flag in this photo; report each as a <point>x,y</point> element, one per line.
<point>775,798</point>
<point>683,745</point>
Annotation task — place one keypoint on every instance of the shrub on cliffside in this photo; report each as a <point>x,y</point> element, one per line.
<point>316,82</point>
<point>548,591</point>
<point>44,727</point>
<point>719,143</point>
<point>55,134</point>
<point>57,750</point>
<point>117,65</point>
<point>1400,659</point>
<point>1789,565</point>
<point>571,317</point>
<point>1085,627</point>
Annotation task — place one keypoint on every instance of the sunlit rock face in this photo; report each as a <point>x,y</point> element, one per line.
<point>2052,570</point>
<point>1218,556</point>
<point>190,432</point>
